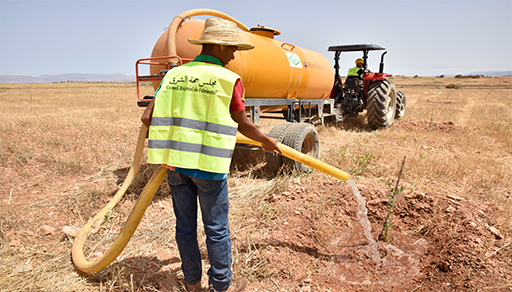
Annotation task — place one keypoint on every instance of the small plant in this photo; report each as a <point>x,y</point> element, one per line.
<point>391,204</point>
<point>362,162</point>
<point>453,86</point>
<point>431,126</point>
<point>415,76</point>
<point>470,76</point>
<point>267,211</point>
<point>110,213</point>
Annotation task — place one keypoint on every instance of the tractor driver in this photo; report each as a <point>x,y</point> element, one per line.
<point>357,71</point>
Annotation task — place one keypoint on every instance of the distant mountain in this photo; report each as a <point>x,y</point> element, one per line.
<point>485,73</point>
<point>74,77</point>
<point>492,73</point>
<point>77,77</point>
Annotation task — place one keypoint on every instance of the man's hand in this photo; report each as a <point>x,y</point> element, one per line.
<point>271,145</point>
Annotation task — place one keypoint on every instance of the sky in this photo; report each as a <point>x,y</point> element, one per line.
<point>422,37</point>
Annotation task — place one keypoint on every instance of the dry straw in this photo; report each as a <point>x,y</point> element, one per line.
<point>64,149</point>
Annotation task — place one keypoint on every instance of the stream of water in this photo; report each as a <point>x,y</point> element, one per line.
<point>362,215</point>
<point>359,260</point>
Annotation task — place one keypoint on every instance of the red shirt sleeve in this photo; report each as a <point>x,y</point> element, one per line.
<point>237,100</point>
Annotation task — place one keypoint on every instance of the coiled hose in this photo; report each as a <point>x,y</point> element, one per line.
<point>147,195</point>
<point>176,22</point>
<point>133,220</point>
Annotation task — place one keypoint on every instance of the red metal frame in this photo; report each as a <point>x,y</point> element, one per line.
<point>149,61</point>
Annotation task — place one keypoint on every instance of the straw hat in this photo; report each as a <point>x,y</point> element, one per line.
<point>221,32</point>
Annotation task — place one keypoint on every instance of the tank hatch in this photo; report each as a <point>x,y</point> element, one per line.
<point>265,31</point>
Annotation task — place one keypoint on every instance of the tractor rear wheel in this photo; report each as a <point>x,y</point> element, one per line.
<point>275,160</point>
<point>303,138</point>
<point>381,102</point>
<point>401,103</point>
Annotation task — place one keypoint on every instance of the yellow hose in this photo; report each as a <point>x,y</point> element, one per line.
<point>301,157</point>
<point>147,195</point>
<point>176,22</point>
<point>131,224</point>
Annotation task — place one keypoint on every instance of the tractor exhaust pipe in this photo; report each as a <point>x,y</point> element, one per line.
<point>381,66</point>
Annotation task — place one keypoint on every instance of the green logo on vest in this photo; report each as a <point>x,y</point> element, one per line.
<point>194,85</point>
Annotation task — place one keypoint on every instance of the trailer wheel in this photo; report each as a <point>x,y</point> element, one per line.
<point>381,107</point>
<point>401,103</point>
<point>303,138</point>
<point>275,160</point>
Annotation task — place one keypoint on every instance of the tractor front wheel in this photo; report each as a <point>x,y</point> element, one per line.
<point>381,108</point>
<point>401,103</point>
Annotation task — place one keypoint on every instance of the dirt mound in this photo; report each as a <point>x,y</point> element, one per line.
<point>314,242</point>
<point>427,125</point>
<point>308,238</point>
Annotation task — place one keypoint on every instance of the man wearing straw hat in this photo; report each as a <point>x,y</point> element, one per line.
<point>198,109</point>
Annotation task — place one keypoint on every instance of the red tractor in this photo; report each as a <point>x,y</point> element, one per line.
<point>374,92</point>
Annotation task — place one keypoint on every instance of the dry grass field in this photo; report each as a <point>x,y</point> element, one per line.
<point>66,147</point>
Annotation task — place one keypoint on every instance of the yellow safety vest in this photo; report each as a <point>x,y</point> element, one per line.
<point>353,72</point>
<point>191,126</point>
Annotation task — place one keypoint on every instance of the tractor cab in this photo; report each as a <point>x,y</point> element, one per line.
<point>373,93</point>
<point>368,75</point>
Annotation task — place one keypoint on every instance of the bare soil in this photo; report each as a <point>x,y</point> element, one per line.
<point>297,233</point>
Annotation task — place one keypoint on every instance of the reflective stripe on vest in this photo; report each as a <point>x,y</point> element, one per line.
<point>190,147</point>
<point>191,125</point>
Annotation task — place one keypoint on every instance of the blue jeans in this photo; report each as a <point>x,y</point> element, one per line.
<point>214,203</point>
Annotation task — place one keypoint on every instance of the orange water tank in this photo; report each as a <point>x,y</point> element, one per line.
<point>273,69</point>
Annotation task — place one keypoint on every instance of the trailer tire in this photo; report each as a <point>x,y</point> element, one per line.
<point>401,103</point>
<point>381,108</point>
<point>303,138</point>
<point>275,160</point>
